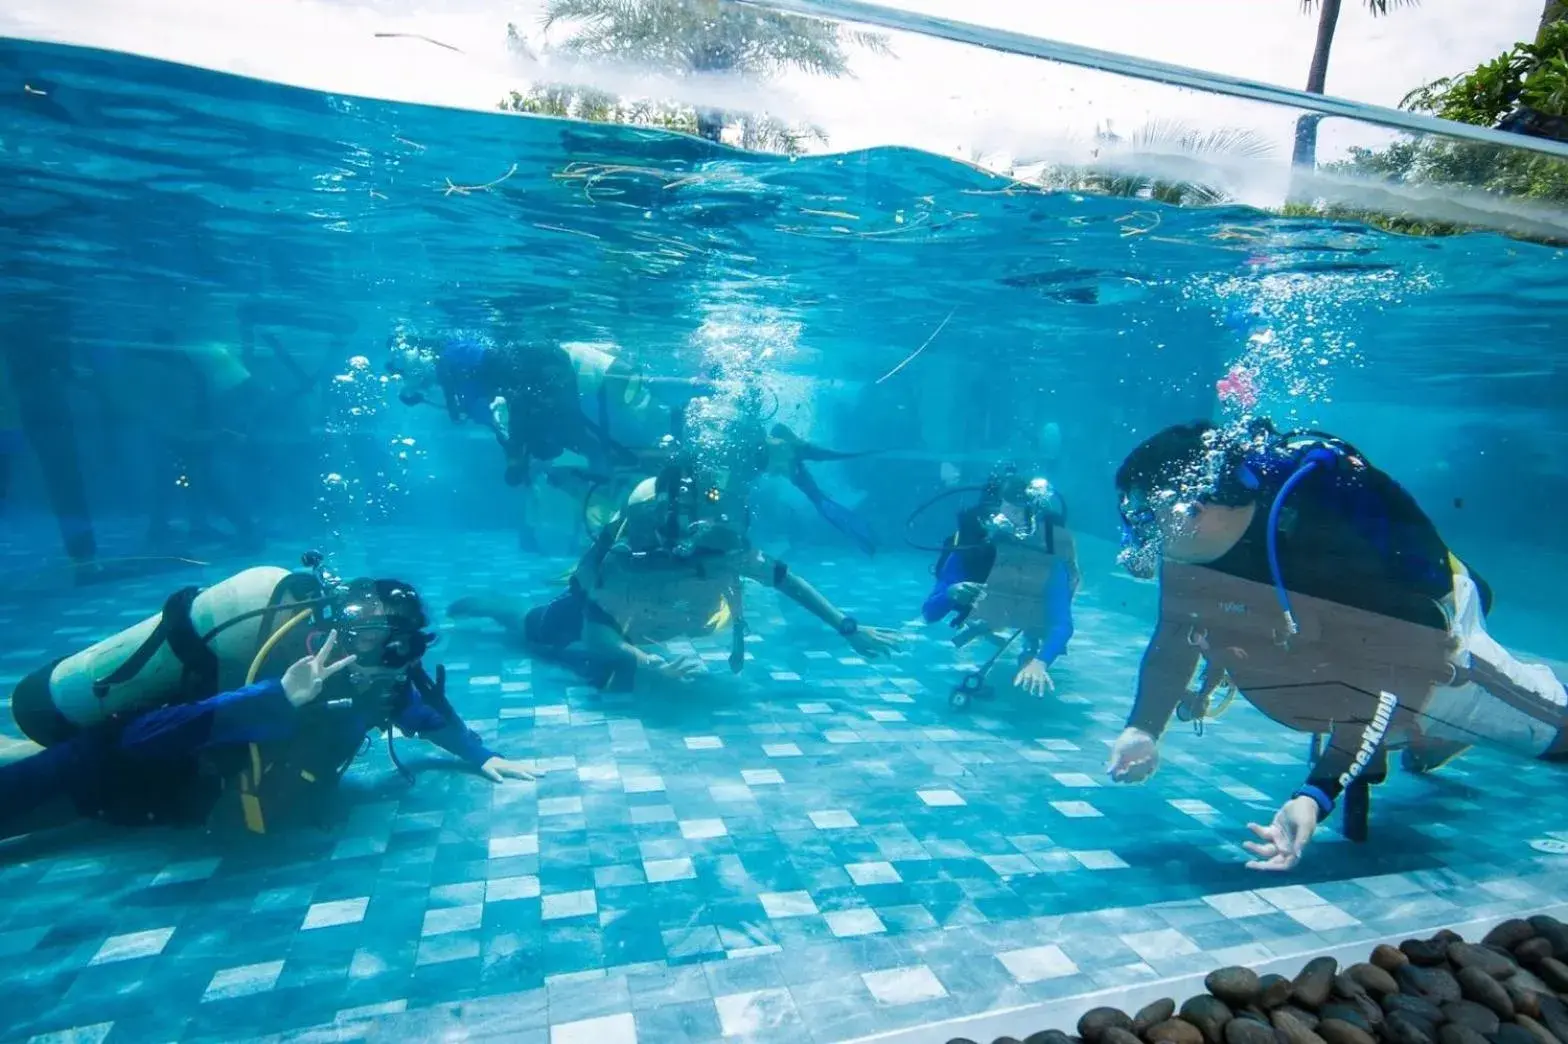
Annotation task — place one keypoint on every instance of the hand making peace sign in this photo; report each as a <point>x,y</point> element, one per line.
<point>303,680</point>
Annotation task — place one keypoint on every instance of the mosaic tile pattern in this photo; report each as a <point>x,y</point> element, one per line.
<point>818,849</point>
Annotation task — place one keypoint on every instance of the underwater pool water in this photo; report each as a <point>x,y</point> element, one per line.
<point>819,846</point>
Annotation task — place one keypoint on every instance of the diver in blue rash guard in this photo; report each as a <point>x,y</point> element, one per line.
<point>1325,593</point>
<point>261,753</point>
<point>525,395</point>
<point>1013,510</point>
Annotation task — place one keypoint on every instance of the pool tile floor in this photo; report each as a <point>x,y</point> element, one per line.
<point>820,848</point>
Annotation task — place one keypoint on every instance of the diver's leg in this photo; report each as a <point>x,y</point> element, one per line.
<point>38,792</point>
<point>1494,698</point>
<point>49,425</point>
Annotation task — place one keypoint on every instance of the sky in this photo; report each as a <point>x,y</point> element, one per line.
<point>946,98</point>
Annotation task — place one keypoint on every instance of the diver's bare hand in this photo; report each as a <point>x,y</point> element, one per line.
<point>875,642</point>
<point>682,668</point>
<point>498,770</point>
<point>1034,679</point>
<point>967,594</point>
<point>1134,757</point>
<point>1280,844</point>
<point>303,680</point>
<point>501,417</point>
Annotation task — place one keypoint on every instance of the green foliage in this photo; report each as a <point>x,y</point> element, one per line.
<point>1162,136</point>
<point>1531,77</point>
<point>686,38</point>
<point>694,36</point>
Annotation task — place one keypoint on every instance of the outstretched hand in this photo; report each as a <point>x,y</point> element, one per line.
<point>1034,679</point>
<point>1280,844</point>
<point>1134,757</point>
<point>873,643</point>
<point>303,680</point>
<point>498,770</point>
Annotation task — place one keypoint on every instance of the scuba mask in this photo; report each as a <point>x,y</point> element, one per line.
<point>1143,537</point>
<point>1005,487</point>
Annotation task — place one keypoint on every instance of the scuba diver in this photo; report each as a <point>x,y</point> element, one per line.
<point>784,454</point>
<point>1326,595</point>
<point>526,396</point>
<point>228,707</point>
<point>757,450</point>
<point>668,566</point>
<point>35,412</point>
<point>1011,565</point>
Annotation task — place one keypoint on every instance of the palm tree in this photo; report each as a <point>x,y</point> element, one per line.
<point>1551,11</point>
<point>1317,75</point>
<point>690,38</point>
<point>1171,138</point>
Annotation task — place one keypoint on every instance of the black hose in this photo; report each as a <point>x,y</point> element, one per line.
<point>927,505</point>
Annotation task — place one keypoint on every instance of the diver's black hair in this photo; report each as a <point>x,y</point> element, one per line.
<point>1168,459</point>
<point>401,605</point>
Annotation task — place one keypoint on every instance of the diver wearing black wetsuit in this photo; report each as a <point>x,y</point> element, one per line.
<point>1331,600</point>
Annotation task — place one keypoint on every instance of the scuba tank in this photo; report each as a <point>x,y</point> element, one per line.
<point>196,646</point>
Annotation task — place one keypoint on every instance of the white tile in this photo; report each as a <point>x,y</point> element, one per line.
<point>788,904</point>
<point>731,792</point>
<point>1245,793</point>
<point>847,923</point>
<point>504,889</point>
<point>243,981</point>
<point>659,870</point>
<point>781,750</point>
<point>703,743</point>
<point>1037,964</point>
<point>1011,865</point>
<point>516,845</point>
<point>785,676</point>
<point>607,1029</point>
<point>941,798</point>
<point>943,735</point>
<point>652,814</point>
<point>904,985</point>
<point>873,873</point>
<point>702,829</point>
<point>886,716</point>
<point>842,736</point>
<point>761,777</point>
<point>1160,945</point>
<point>1290,897</point>
<point>1077,809</point>
<point>755,1014</point>
<point>1239,904</point>
<point>897,697</point>
<point>569,904</point>
<point>452,919</point>
<point>340,911</point>
<point>643,785</point>
<point>561,806</point>
<point>132,945</point>
<point>832,819</point>
<point>1076,780</point>
<point>194,870</point>
<point>1100,860</point>
<point>815,708</point>
<point>1057,744</point>
<point>1322,918</point>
